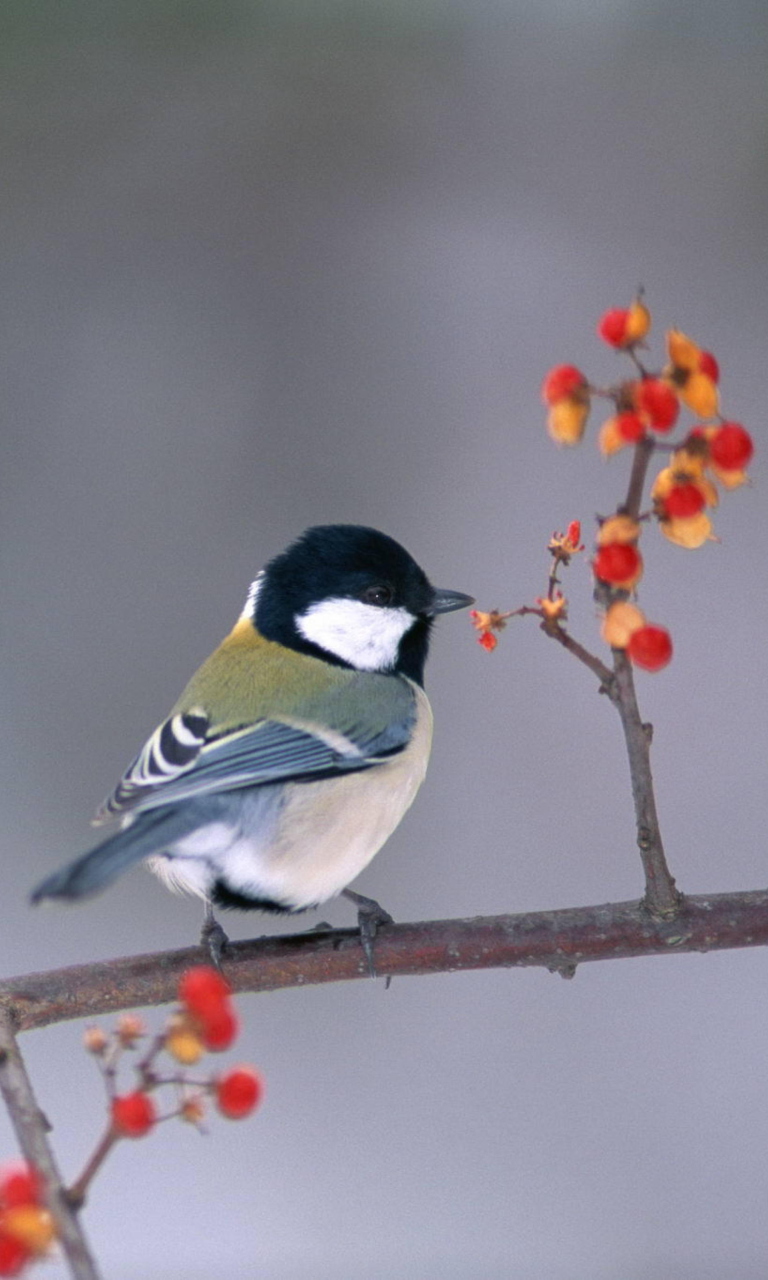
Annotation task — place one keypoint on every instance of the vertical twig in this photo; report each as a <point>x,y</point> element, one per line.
<point>642,456</point>
<point>31,1125</point>
<point>661,896</point>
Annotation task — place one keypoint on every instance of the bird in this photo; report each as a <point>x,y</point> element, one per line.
<point>295,749</point>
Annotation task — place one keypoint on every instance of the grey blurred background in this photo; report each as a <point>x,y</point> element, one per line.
<point>270,264</point>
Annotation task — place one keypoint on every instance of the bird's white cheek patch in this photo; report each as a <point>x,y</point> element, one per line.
<point>363,635</point>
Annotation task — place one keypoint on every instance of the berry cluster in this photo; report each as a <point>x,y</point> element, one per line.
<point>645,409</point>
<point>27,1230</point>
<point>205,1022</point>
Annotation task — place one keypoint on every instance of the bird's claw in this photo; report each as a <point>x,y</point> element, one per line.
<point>370,917</point>
<point>213,939</point>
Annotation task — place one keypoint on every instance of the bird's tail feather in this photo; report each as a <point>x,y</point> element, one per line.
<point>149,834</point>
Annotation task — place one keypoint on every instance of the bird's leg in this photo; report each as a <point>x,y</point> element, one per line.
<point>369,917</point>
<point>212,936</point>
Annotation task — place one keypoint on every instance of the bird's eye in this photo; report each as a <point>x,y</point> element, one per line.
<point>381,594</point>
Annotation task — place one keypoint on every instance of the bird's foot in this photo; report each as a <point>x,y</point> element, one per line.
<point>213,938</point>
<point>370,917</point>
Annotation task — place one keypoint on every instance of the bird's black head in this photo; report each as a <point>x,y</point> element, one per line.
<point>353,596</point>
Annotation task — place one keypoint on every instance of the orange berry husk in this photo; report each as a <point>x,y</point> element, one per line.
<point>182,1040</point>
<point>730,479</point>
<point>638,322</point>
<point>618,529</point>
<point>30,1224</point>
<point>620,623</point>
<point>692,458</point>
<point>567,419</point>
<point>684,353</point>
<point>610,438</point>
<point>691,532</point>
<point>699,393</point>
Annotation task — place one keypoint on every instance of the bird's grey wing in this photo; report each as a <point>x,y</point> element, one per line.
<point>182,759</point>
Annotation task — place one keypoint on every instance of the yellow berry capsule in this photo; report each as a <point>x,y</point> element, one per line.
<point>690,532</point>
<point>182,1040</point>
<point>664,482</point>
<point>618,529</point>
<point>729,479</point>
<point>683,351</point>
<point>638,322</point>
<point>699,394</point>
<point>567,420</point>
<point>610,439</point>
<point>620,623</point>
<point>30,1224</point>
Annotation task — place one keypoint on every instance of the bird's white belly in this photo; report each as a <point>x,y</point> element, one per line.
<point>322,837</point>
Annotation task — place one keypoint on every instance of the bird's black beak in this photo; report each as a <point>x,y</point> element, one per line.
<point>446,601</point>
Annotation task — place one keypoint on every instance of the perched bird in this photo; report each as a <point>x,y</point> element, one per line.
<point>296,748</point>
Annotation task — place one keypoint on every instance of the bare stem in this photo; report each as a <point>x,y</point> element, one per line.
<point>598,668</point>
<point>77,1192</point>
<point>661,896</point>
<point>31,1129</point>
<point>644,450</point>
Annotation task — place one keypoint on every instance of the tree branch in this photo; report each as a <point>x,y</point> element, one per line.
<point>556,940</point>
<point>31,1127</point>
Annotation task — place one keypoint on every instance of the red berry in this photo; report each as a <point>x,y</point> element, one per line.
<point>684,500</point>
<point>14,1255</point>
<point>219,1028</point>
<point>709,365</point>
<point>133,1114</point>
<point>612,327</point>
<point>19,1184</point>
<point>731,447</point>
<point>650,648</point>
<point>630,427</point>
<point>239,1092</point>
<point>658,402</point>
<point>562,381</point>
<point>617,562</point>
<point>203,989</point>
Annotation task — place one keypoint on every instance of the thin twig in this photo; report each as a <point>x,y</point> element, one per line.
<point>661,895</point>
<point>644,450</point>
<point>77,1192</point>
<point>31,1127</point>
<point>598,668</point>
<point>553,939</point>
